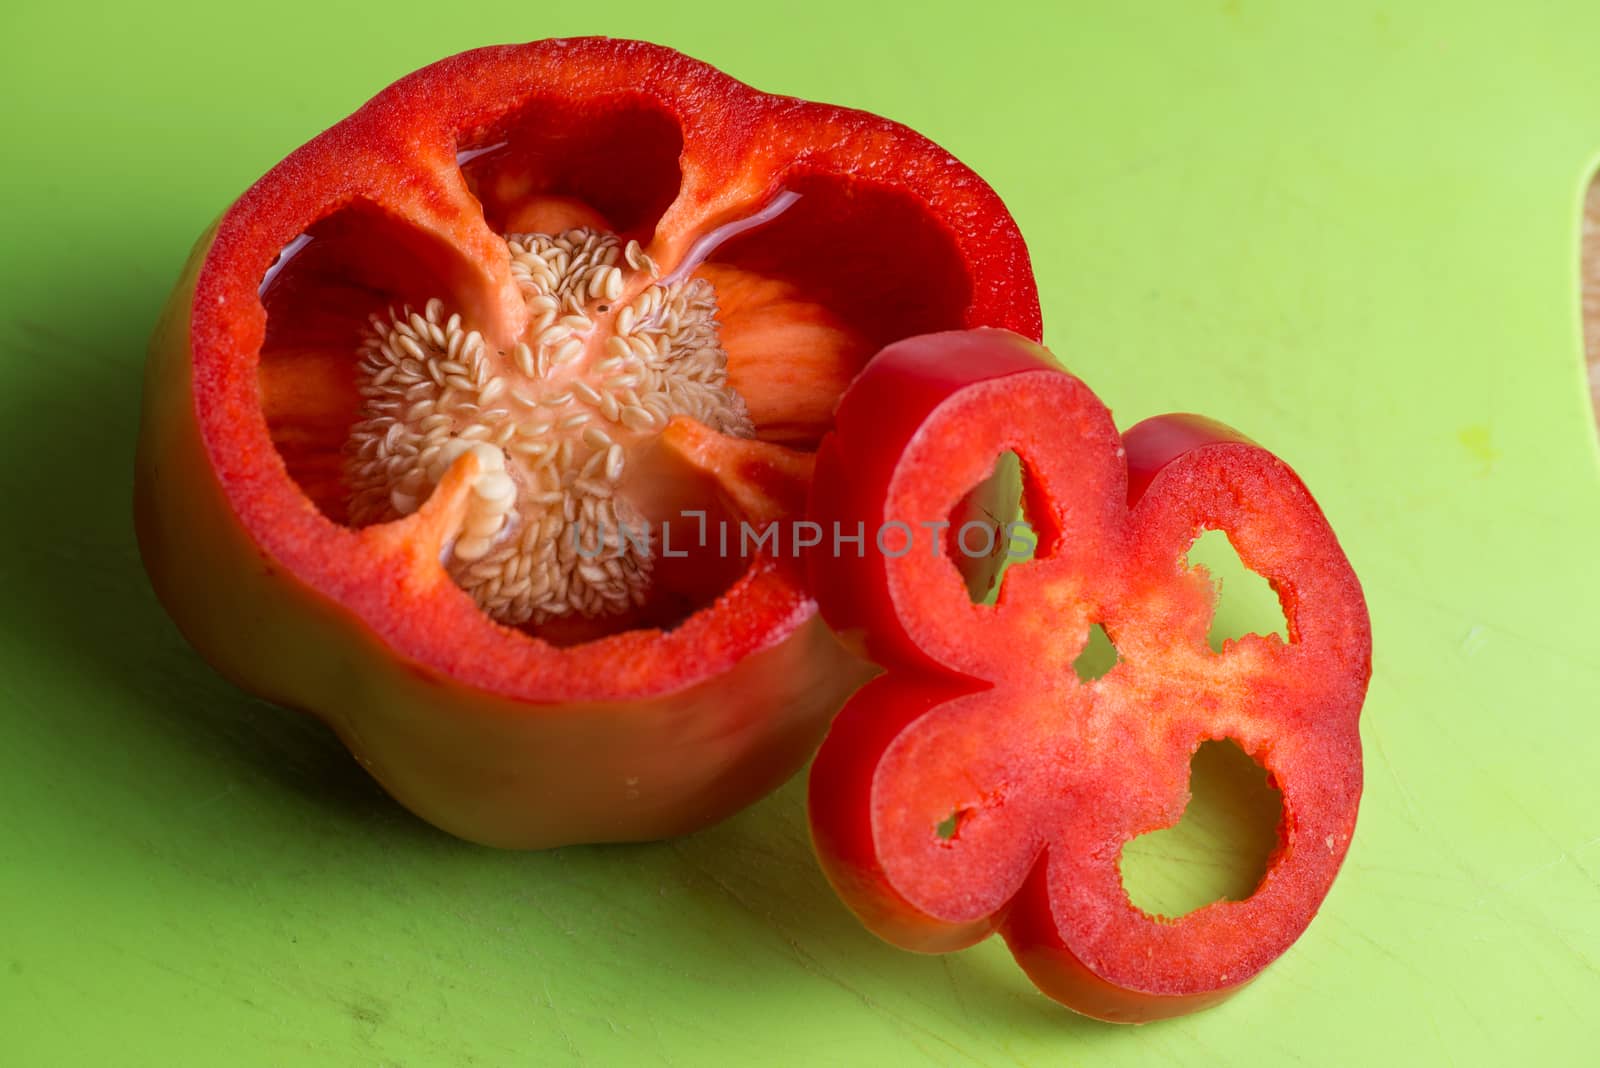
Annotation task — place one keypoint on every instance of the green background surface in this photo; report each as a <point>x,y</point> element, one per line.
<point>1350,229</point>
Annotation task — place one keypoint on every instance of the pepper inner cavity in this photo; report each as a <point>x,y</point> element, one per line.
<point>548,531</point>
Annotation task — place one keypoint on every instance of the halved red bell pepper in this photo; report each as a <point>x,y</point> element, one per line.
<point>522,291</point>
<point>979,785</point>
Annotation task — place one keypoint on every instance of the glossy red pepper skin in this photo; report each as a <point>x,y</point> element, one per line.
<point>483,730</point>
<point>981,724</point>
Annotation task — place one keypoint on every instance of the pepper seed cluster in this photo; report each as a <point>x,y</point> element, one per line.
<point>552,422</point>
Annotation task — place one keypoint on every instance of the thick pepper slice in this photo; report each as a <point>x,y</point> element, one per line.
<point>525,295</point>
<point>978,785</point>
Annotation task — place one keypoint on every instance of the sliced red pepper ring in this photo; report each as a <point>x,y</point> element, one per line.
<point>979,785</point>
<point>627,286</point>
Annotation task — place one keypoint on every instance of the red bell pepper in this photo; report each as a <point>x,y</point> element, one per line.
<point>522,291</point>
<point>978,785</point>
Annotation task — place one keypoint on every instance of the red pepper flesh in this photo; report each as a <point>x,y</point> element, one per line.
<point>978,785</point>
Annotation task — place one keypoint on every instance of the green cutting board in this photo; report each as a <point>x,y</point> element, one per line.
<point>1349,229</point>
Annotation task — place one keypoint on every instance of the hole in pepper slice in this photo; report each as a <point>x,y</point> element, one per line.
<point>981,713</point>
<point>1098,657</point>
<point>265,392</point>
<point>1244,602</point>
<point>983,527</point>
<point>1219,849</point>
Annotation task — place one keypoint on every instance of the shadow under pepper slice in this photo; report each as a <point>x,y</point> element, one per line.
<point>979,785</point>
<point>422,392</point>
